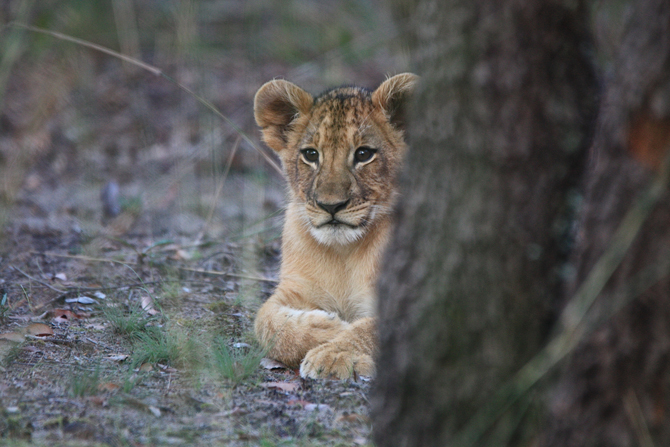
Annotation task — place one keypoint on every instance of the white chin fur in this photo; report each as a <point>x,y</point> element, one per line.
<point>336,235</point>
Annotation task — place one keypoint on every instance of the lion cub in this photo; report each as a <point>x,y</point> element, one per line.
<point>341,153</point>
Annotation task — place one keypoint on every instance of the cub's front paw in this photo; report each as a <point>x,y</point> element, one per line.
<point>331,360</point>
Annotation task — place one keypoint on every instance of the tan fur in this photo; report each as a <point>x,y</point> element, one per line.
<point>322,314</point>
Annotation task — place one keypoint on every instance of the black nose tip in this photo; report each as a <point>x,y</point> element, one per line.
<point>333,208</point>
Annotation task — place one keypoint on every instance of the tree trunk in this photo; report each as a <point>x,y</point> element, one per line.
<point>614,391</point>
<point>498,138</point>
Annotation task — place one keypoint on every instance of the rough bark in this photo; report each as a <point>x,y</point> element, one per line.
<point>497,138</point>
<point>617,381</point>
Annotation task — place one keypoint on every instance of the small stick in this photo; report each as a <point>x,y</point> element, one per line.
<point>37,280</point>
<point>207,272</point>
<point>218,191</point>
<point>157,72</point>
<point>83,258</point>
<point>232,275</point>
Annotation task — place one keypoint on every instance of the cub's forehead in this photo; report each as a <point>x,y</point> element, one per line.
<point>339,116</point>
<point>344,103</point>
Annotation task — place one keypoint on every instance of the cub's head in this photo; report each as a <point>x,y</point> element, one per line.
<point>341,152</point>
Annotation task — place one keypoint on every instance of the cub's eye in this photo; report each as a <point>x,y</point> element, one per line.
<point>311,155</point>
<point>363,154</point>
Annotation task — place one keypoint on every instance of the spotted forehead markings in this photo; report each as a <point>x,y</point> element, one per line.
<point>336,111</point>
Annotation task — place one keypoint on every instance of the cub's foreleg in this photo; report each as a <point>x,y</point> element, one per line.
<point>288,327</point>
<point>349,354</point>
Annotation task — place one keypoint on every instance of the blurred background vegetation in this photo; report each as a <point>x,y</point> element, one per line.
<point>80,129</point>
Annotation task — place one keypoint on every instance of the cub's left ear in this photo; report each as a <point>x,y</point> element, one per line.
<point>392,95</point>
<point>276,105</point>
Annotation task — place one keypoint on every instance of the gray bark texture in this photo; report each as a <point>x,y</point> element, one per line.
<point>614,390</point>
<point>498,136</point>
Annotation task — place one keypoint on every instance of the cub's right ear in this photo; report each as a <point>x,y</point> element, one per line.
<point>392,95</point>
<point>276,105</point>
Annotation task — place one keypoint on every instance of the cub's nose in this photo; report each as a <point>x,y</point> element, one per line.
<point>333,208</point>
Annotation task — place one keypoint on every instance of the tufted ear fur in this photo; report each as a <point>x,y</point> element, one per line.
<point>276,105</point>
<point>392,95</point>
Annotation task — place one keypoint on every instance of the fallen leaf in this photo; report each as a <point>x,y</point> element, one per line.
<point>353,418</point>
<point>148,305</point>
<point>181,255</point>
<point>13,336</point>
<point>60,276</point>
<point>241,345</point>
<point>61,315</point>
<point>109,386</point>
<point>360,441</point>
<point>272,364</point>
<point>165,368</point>
<point>154,410</point>
<point>39,330</point>
<point>117,357</point>
<point>288,387</point>
<point>61,319</point>
<point>98,400</point>
<point>81,300</point>
<point>100,295</point>
<point>146,367</point>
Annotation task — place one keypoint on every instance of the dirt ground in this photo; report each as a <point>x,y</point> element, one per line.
<point>140,232</point>
<point>57,347</point>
